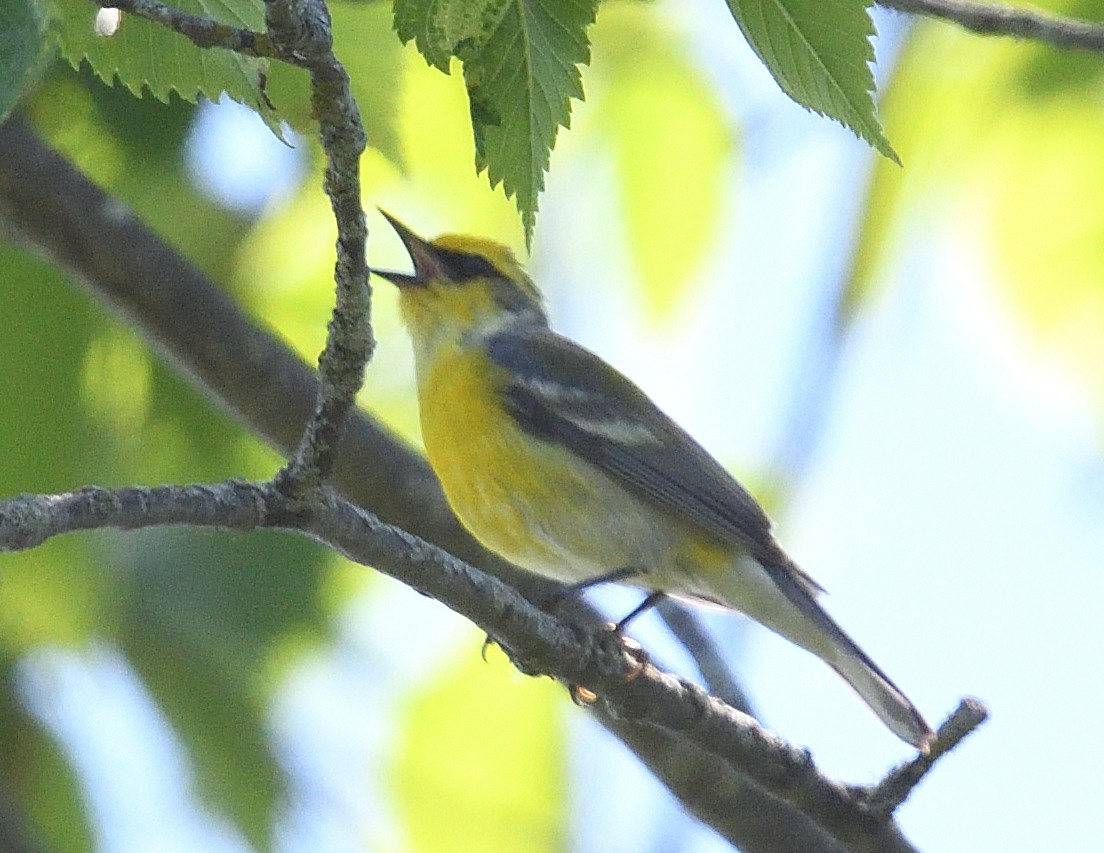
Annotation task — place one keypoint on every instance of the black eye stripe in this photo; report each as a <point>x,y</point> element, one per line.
<point>461,266</point>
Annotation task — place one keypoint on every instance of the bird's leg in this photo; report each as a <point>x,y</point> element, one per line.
<point>654,597</point>
<point>579,694</point>
<point>648,603</point>
<point>572,590</point>
<point>621,574</point>
<point>631,648</point>
<point>576,589</point>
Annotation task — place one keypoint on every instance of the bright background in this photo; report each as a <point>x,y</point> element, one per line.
<point>907,365</point>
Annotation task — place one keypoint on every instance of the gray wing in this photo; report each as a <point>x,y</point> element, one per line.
<point>561,393</point>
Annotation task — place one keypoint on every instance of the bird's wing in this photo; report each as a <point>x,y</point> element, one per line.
<point>561,393</point>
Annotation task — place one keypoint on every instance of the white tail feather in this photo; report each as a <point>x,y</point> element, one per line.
<point>779,599</point>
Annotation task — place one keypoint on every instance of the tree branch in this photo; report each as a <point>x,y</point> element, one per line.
<point>721,798</point>
<point>628,687</point>
<point>892,791</point>
<point>994,19</point>
<point>56,210</point>
<point>302,28</point>
<point>651,710</point>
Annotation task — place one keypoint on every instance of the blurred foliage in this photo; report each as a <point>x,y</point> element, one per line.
<point>671,142</point>
<point>996,137</point>
<point>196,617</point>
<point>480,761</point>
<point>1005,148</point>
<point>38,777</point>
<point>23,49</point>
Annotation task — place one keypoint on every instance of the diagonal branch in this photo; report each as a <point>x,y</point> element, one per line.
<point>994,19</point>
<point>628,687</point>
<point>53,208</point>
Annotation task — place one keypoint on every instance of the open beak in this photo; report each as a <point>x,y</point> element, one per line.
<point>427,265</point>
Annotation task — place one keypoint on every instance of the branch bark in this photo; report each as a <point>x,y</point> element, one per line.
<point>302,30</point>
<point>51,207</point>
<point>626,686</point>
<point>998,20</point>
<point>200,30</point>
<point>656,714</point>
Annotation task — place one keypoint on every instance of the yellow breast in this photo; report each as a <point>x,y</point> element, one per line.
<point>462,425</point>
<point>532,501</point>
<point>521,497</point>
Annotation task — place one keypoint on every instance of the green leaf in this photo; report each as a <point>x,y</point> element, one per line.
<point>521,66</point>
<point>479,765</point>
<point>142,55</point>
<point>421,21</point>
<point>22,49</point>
<point>819,52</point>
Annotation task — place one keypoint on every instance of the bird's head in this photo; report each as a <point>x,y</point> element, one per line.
<point>461,286</point>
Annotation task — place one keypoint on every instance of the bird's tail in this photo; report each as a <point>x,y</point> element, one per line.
<point>881,694</point>
<point>783,599</point>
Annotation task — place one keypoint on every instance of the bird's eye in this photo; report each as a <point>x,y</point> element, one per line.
<point>462,266</point>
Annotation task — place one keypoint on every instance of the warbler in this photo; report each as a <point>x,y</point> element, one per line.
<point>556,461</point>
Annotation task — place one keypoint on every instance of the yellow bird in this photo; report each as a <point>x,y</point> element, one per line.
<point>556,461</point>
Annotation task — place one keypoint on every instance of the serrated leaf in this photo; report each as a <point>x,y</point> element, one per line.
<point>142,55</point>
<point>521,66</point>
<point>22,45</point>
<point>819,53</point>
<point>439,28</point>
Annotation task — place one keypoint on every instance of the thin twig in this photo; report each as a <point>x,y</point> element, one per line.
<point>303,27</point>
<point>895,788</point>
<point>1000,20</point>
<point>300,32</point>
<point>58,212</point>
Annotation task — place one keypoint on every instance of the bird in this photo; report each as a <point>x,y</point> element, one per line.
<point>558,462</point>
